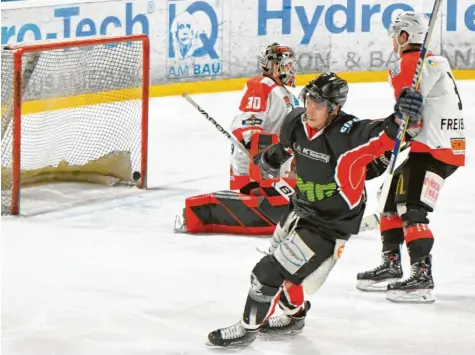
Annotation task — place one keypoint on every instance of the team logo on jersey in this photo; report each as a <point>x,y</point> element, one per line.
<point>395,68</point>
<point>252,121</point>
<point>316,192</point>
<point>195,38</point>
<point>311,153</point>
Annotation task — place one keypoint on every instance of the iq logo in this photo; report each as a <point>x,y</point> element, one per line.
<point>195,38</point>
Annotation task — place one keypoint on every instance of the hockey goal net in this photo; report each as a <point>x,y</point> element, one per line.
<point>74,111</point>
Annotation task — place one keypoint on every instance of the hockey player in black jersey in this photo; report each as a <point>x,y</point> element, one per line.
<point>332,150</point>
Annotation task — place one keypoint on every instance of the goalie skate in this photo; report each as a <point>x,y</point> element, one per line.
<point>234,336</point>
<point>180,223</point>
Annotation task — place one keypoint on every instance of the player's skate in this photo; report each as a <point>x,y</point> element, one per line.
<point>377,280</point>
<point>180,223</point>
<point>284,324</point>
<point>417,288</point>
<point>235,335</point>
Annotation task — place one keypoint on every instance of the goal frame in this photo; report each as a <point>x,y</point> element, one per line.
<point>17,53</point>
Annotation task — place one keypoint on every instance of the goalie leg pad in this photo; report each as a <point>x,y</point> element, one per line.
<point>231,212</point>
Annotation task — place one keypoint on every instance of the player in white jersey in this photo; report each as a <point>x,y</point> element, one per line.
<point>437,149</point>
<point>253,206</point>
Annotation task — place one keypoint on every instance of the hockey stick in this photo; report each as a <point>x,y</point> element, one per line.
<point>282,187</point>
<point>403,127</point>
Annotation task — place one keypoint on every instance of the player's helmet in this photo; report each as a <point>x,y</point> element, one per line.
<point>415,24</point>
<point>328,88</point>
<point>285,57</point>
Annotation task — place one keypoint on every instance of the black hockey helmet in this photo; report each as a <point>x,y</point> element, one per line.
<point>329,88</point>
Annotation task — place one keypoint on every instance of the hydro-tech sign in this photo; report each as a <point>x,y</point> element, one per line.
<point>359,17</point>
<point>76,21</point>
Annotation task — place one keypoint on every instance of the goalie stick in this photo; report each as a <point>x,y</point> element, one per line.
<point>402,128</point>
<point>282,187</point>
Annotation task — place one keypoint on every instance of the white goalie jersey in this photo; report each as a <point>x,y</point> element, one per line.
<point>263,107</point>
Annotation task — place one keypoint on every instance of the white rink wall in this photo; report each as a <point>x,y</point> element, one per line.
<point>218,39</point>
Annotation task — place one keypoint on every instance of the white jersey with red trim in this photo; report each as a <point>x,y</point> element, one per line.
<point>263,107</point>
<point>442,134</point>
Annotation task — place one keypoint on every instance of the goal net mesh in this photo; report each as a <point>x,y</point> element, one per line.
<point>81,116</point>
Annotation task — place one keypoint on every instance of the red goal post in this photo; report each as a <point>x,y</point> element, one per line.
<point>74,111</point>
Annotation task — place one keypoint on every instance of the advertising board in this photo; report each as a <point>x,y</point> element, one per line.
<point>215,40</point>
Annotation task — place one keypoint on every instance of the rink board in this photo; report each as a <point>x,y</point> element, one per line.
<point>32,107</point>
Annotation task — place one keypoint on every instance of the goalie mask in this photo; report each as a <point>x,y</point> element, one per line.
<point>285,58</point>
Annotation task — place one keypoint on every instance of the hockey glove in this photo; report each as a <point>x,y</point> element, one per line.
<point>410,104</point>
<point>267,170</point>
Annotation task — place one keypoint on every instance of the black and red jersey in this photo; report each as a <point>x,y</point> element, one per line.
<point>331,167</point>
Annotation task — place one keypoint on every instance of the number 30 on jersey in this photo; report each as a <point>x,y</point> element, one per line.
<point>254,103</point>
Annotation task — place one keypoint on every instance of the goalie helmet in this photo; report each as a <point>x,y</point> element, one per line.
<point>327,88</point>
<point>283,56</point>
<point>415,24</point>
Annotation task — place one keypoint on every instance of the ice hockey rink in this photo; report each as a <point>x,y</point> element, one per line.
<point>107,276</point>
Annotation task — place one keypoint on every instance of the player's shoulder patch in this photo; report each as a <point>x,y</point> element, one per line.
<point>395,68</point>
<point>434,60</point>
<point>348,123</point>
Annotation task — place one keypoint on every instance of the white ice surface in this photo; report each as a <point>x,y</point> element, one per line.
<point>109,277</point>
